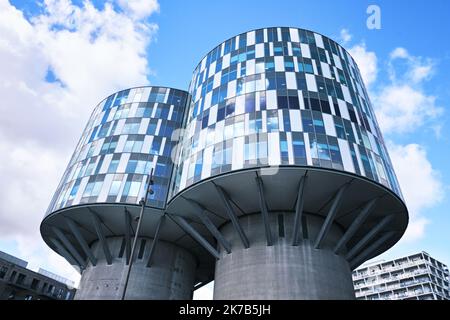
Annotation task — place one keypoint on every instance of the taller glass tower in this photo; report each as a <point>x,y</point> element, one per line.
<point>280,174</point>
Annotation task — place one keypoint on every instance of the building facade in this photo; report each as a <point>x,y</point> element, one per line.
<point>19,283</point>
<point>275,153</point>
<point>415,277</point>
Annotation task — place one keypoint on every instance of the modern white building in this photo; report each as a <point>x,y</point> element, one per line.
<point>414,277</point>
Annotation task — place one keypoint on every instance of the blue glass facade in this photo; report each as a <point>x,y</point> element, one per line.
<point>128,134</point>
<point>273,97</point>
<point>280,96</point>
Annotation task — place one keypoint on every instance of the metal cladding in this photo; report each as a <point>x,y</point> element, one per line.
<point>280,96</point>
<point>128,133</point>
<point>277,126</point>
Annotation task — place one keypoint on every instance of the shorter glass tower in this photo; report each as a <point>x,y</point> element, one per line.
<point>128,134</point>
<point>92,218</point>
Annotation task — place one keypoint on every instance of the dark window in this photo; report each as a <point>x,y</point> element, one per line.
<point>298,146</point>
<point>322,55</point>
<point>270,81</point>
<point>293,102</point>
<point>20,278</point>
<point>242,40</point>
<point>282,102</point>
<point>215,96</point>
<point>281,80</point>
<point>288,64</point>
<point>296,51</point>
<point>281,225</point>
<point>304,227</point>
<point>349,130</point>
<point>3,271</point>
<point>307,65</point>
<point>260,36</point>
<point>34,284</point>
<point>307,121</point>
<point>336,109</point>
<point>272,34</point>
<point>142,249</point>
<point>12,276</point>
<point>50,288</point>
<point>205,121</point>
<point>270,64</point>
<point>315,105</point>
<point>220,114</point>
<point>340,132</point>
<point>352,114</point>
<point>285,35</point>
<point>301,82</point>
<point>122,248</point>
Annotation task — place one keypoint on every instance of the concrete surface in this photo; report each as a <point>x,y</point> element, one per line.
<point>171,275</point>
<point>281,271</point>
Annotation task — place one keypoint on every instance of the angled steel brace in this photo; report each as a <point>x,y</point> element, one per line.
<point>77,234</point>
<point>371,249</point>
<point>299,212</point>
<point>63,251</point>
<point>200,212</point>
<point>73,251</point>
<point>353,251</point>
<point>365,212</point>
<point>155,240</point>
<point>330,216</point>
<point>232,216</point>
<point>101,237</point>
<point>194,234</point>
<point>127,235</point>
<point>263,207</point>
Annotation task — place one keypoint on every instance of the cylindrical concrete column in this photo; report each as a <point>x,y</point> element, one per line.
<point>171,275</point>
<point>281,271</point>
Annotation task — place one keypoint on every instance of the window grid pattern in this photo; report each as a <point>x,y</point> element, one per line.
<point>418,276</point>
<point>280,96</point>
<point>129,133</point>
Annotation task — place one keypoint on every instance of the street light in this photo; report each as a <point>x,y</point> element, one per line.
<point>143,203</point>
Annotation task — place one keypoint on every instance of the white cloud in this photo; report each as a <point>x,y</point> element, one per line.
<point>420,183</point>
<point>139,8</point>
<point>418,68</point>
<point>402,105</point>
<point>91,53</point>
<point>399,53</point>
<point>401,108</point>
<point>345,36</point>
<point>366,61</point>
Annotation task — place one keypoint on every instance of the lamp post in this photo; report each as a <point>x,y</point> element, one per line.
<point>143,203</point>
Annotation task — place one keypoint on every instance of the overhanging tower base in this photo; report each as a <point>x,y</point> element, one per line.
<point>281,271</point>
<point>171,275</point>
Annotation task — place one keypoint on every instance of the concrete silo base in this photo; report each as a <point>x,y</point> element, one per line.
<point>281,271</point>
<point>171,275</point>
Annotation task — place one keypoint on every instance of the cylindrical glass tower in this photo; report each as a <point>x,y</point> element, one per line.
<point>280,96</point>
<point>282,151</point>
<point>91,220</point>
<point>271,177</point>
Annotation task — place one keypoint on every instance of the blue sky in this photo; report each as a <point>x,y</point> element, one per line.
<point>168,42</point>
